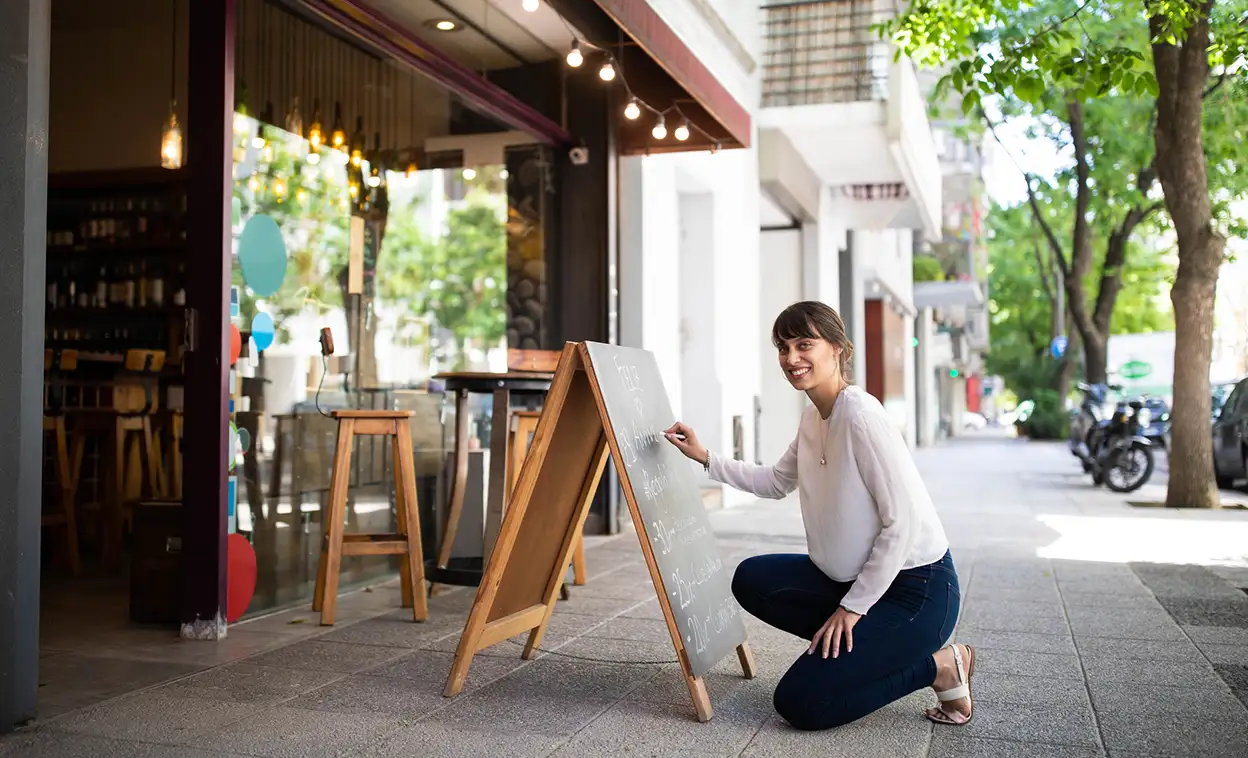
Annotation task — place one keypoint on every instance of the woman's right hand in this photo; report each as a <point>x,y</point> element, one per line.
<point>689,445</point>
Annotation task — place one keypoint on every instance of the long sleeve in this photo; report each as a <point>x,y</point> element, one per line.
<point>771,482</point>
<point>883,463</point>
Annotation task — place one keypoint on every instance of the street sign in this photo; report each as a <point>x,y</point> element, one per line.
<point>1057,348</point>
<point>1135,370</point>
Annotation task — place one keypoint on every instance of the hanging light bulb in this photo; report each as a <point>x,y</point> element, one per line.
<point>530,5</point>
<point>470,174</point>
<point>660,129</point>
<point>632,111</point>
<point>338,137</point>
<point>607,72</point>
<point>301,195</point>
<point>374,178</point>
<point>294,119</point>
<point>258,141</point>
<point>267,152</point>
<point>254,183</point>
<point>171,140</point>
<point>353,189</point>
<point>316,134</point>
<point>411,169</point>
<point>314,158</point>
<point>682,132</point>
<point>575,58</point>
<point>279,187</point>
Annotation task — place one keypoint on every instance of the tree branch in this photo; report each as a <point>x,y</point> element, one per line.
<point>1044,275</point>
<point>1115,259</point>
<point>1081,236</point>
<point>1212,88</point>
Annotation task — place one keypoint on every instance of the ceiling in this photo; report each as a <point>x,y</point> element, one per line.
<point>489,34</point>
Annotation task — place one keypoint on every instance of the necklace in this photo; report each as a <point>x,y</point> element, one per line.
<point>827,427</point>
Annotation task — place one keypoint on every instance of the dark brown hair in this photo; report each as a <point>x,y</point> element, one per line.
<point>810,319</point>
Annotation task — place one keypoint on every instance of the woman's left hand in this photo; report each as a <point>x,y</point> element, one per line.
<point>842,622</point>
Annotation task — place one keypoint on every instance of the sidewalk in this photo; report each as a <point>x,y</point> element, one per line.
<point>1144,653</point>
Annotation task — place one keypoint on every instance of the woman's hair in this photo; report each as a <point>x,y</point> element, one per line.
<point>814,320</point>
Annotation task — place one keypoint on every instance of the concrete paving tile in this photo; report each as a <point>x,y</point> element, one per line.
<point>1236,677</point>
<point>993,615</point>
<point>1197,737</point>
<point>948,744</point>
<point>105,676</point>
<point>375,696</point>
<point>609,651</point>
<point>1034,724</point>
<point>640,630</point>
<point>387,631</point>
<point>977,592</point>
<point>1194,673</point>
<point>1141,650</point>
<point>155,716</point>
<point>647,610</point>
<point>1033,624</point>
<point>1059,644</point>
<point>628,588</point>
<point>1124,623</point>
<point>1027,664</point>
<point>249,683</point>
<point>988,687</point>
<point>1074,570</point>
<point>435,667</point>
<point>555,678</point>
<point>1106,601</point>
<point>1105,585</point>
<point>725,687</point>
<point>1234,655</point>
<point>531,713</point>
<point>46,743</point>
<point>429,740</point>
<point>327,656</point>
<point>299,733</point>
<point>1232,612</point>
<point>603,607</point>
<point>1166,702</point>
<point>1218,635</point>
<point>895,731</point>
<point>662,728</point>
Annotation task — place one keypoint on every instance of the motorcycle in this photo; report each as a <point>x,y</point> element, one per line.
<point>1122,457</point>
<point>1091,418</point>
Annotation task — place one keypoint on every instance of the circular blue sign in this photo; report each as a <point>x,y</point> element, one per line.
<point>1057,348</point>
<point>262,330</point>
<point>262,255</point>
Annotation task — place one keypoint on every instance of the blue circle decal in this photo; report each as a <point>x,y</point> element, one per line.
<point>262,330</point>
<point>262,255</point>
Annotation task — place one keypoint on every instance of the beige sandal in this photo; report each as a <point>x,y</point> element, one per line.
<point>963,690</point>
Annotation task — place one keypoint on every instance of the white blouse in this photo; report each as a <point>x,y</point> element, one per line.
<point>867,512</point>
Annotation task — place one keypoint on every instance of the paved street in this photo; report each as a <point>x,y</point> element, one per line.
<point>1103,630</point>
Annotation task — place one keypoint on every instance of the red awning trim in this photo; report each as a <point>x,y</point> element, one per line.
<point>481,94</point>
<point>639,20</point>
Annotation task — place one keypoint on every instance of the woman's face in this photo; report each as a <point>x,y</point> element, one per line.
<point>808,362</point>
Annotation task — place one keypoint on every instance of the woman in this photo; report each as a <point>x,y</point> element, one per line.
<point>878,594</point>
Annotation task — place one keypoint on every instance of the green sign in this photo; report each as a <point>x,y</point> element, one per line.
<point>1135,370</point>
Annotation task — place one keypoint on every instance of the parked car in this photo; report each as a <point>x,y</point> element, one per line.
<point>1230,437</point>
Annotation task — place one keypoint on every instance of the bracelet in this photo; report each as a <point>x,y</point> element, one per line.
<point>707,465</point>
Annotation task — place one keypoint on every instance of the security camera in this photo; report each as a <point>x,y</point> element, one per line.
<point>579,156</point>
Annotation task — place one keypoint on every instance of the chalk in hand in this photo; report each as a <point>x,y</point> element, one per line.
<point>676,436</point>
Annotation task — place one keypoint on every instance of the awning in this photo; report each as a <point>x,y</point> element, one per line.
<point>661,70</point>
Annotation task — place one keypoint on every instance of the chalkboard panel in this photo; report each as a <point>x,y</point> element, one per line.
<point>660,481</point>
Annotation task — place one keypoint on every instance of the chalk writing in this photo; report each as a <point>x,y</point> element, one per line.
<point>629,375</point>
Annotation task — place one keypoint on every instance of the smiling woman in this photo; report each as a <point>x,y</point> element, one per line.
<point>878,591</point>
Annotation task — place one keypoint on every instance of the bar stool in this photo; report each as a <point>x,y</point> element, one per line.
<point>406,543</point>
<point>523,426</point>
<point>67,463</point>
<point>136,401</point>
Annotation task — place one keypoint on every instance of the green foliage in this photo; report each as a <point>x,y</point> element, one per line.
<point>1049,419</point>
<point>927,269</point>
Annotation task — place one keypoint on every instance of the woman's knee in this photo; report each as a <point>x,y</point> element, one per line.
<point>749,582</point>
<point>796,701</point>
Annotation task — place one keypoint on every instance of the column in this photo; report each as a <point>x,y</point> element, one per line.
<point>853,306</point>
<point>927,406</point>
<point>24,47</point>
<point>822,241</point>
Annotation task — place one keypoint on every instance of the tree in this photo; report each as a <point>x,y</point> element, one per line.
<point>1003,48</point>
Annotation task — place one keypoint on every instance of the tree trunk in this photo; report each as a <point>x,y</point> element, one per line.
<point>1182,71</point>
<point>1095,358</point>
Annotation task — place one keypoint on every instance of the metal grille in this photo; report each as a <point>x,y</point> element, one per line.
<point>819,52</point>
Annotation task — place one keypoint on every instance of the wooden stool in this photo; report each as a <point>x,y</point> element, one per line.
<point>523,426</point>
<point>396,425</point>
<point>67,464</point>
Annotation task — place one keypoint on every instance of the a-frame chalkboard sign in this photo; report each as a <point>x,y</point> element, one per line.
<point>607,400</point>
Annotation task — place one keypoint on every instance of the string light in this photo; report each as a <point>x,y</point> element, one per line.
<point>660,128</point>
<point>531,5</point>
<point>575,58</point>
<point>470,174</point>
<point>682,132</point>
<point>607,72</point>
<point>314,158</point>
<point>632,111</point>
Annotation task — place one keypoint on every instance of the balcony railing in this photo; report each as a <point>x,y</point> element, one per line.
<point>818,52</point>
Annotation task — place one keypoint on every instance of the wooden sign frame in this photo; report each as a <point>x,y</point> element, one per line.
<point>513,598</point>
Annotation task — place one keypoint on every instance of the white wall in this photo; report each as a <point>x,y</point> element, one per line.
<point>781,282</point>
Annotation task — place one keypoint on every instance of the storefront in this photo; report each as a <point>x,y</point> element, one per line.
<point>433,186</point>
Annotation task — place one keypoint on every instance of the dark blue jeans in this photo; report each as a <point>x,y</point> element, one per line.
<point>893,642</point>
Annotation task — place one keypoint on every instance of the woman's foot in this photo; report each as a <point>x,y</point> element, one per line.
<point>955,665</point>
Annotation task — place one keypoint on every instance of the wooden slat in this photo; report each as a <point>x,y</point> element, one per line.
<point>375,548</point>
<point>372,414</point>
<point>372,426</point>
<point>509,626</point>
